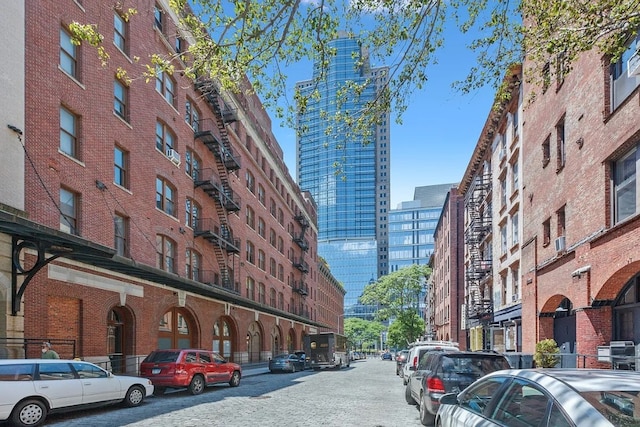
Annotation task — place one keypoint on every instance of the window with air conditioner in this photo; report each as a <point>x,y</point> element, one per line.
<point>560,244</point>
<point>625,74</point>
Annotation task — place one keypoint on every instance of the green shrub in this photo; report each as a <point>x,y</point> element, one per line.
<point>546,355</point>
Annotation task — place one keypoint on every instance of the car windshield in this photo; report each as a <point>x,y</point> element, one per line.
<point>617,406</point>
<point>162,357</point>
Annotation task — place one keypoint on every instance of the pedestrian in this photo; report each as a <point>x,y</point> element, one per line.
<point>48,352</point>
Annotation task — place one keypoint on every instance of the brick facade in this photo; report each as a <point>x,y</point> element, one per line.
<point>269,304</point>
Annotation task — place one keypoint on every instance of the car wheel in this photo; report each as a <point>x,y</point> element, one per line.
<point>407,395</point>
<point>293,369</point>
<point>159,391</point>
<point>235,379</point>
<point>197,385</point>
<point>134,396</point>
<point>29,413</point>
<point>426,418</point>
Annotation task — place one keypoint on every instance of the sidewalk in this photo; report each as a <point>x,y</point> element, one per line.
<point>255,369</point>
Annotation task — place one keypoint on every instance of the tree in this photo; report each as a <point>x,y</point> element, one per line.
<point>405,329</point>
<point>230,40</point>
<point>397,292</point>
<point>362,333</point>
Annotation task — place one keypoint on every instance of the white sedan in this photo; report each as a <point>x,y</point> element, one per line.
<point>40,386</point>
<point>545,398</point>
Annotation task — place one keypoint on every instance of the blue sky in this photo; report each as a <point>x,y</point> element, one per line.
<point>440,127</point>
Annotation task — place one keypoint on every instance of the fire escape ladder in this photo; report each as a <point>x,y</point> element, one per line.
<point>226,162</point>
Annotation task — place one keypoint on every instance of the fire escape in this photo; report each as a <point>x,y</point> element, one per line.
<point>479,267</point>
<point>299,286</point>
<point>215,183</point>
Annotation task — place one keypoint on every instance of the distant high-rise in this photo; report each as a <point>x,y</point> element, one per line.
<point>353,204</point>
<point>412,224</point>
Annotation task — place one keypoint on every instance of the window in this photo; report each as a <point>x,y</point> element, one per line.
<point>192,115</point>
<point>251,288</point>
<point>121,233</point>
<point>250,256</point>
<point>546,77</point>
<point>165,86</point>
<point>192,265</point>
<point>515,237</point>
<point>560,137</point>
<point>262,260</point>
<point>272,207</point>
<point>622,84</point>
<point>561,221</point>
<point>68,55</point>
<point>159,18</point>
<point>261,227</point>
<point>280,301</point>
<point>272,237</point>
<point>546,151</point>
<point>272,297</point>
<point>192,213</point>
<point>280,245</point>
<point>165,248</point>
<point>68,211</point>
<point>514,177</point>
<point>515,282</point>
<point>503,192</point>
<point>281,217</point>
<point>261,194</point>
<point>280,272</point>
<point>251,218</point>
<point>180,45</point>
<point>192,164</point>
<point>477,398</point>
<point>120,99</point>
<point>68,132</point>
<point>120,167</point>
<point>261,293</point>
<point>503,240</point>
<point>272,267</point>
<point>251,182</point>
<point>165,196</point>
<point>625,186</point>
<point>165,140</point>
<point>546,232</point>
<point>120,32</point>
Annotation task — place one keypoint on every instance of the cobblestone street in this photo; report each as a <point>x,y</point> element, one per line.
<point>368,394</point>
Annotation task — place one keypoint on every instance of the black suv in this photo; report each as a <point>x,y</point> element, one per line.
<point>443,372</point>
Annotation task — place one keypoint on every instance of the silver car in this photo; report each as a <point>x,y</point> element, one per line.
<point>545,398</point>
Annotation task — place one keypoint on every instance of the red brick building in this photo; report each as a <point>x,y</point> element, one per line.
<point>580,252</point>
<point>156,214</point>
<point>447,280</point>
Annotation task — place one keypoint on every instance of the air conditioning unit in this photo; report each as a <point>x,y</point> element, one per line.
<point>633,65</point>
<point>173,156</point>
<point>514,298</point>
<point>560,244</point>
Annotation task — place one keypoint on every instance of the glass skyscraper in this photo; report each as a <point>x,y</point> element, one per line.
<point>412,224</point>
<point>348,179</point>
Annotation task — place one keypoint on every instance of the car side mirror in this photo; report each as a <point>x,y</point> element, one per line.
<point>448,399</point>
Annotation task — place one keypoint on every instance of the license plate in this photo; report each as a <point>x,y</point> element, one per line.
<point>155,371</point>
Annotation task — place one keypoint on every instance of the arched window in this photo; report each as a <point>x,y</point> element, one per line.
<point>176,330</point>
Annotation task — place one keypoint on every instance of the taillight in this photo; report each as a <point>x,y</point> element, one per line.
<point>415,361</point>
<point>435,385</point>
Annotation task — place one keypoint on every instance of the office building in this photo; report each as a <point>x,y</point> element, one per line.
<point>352,203</point>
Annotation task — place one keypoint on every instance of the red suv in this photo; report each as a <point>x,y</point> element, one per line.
<point>191,368</point>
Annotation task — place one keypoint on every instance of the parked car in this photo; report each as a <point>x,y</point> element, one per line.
<point>34,388</point>
<point>416,352</point>
<point>545,398</point>
<point>443,372</point>
<point>191,368</point>
<point>401,359</point>
<point>287,362</point>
